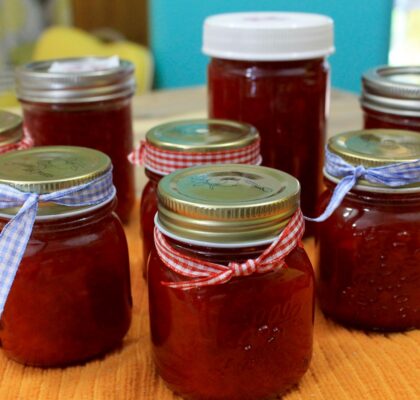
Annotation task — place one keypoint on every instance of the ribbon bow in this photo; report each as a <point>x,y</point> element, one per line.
<point>204,273</point>
<point>392,175</point>
<point>15,235</point>
<point>164,162</point>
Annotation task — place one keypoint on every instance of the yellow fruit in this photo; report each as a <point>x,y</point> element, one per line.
<point>62,42</point>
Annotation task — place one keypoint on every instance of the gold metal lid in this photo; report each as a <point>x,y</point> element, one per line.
<point>10,128</point>
<point>228,204</point>
<point>202,135</point>
<point>376,147</point>
<point>51,168</point>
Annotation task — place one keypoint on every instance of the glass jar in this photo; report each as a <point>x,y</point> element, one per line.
<point>88,107</point>
<point>250,336</point>
<point>391,98</point>
<point>270,70</point>
<point>193,142</point>
<point>11,135</point>
<point>70,300</point>
<point>369,269</point>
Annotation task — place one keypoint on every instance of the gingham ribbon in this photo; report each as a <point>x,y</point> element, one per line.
<point>204,273</point>
<point>392,175</point>
<point>164,162</point>
<point>25,143</point>
<point>15,235</point>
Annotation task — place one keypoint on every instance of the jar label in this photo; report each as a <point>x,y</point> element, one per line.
<point>88,64</point>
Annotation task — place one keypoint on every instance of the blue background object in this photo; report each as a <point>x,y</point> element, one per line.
<point>362,31</point>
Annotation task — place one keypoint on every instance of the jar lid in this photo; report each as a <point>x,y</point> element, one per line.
<point>226,204</point>
<point>394,90</point>
<point>35,82</point>
<point>51,168</point>
<point>10,128</point>
<point>202,135</point>
<point>375,148</point>
<point>268,36</point>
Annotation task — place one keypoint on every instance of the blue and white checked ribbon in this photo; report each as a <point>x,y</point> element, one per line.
<point>392,175</point>
<point>15,235</point>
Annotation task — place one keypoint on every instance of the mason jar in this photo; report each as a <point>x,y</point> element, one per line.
<point>369,268</point>
<point>231,290</point>
<point>70,298</point>
<point>179,144</point>
<point>270,69</point>
<point>83,102</point>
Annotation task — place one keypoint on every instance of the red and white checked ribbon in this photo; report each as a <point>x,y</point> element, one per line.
<point>166,161</point>
<point>204,273</point>
<point>25,143</point>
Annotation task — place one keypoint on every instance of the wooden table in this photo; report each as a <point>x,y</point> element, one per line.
<point>346,364</point>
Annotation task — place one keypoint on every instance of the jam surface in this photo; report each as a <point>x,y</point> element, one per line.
<point>148,210</point>
<point>369,274</point>
<point>250,338</point>
<point>375,119</point>
<point>71,299</point>
<point>286,102</point>
<point>104,126</point>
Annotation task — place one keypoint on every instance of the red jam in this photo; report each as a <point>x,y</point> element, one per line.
<point>369,272</point>
<point>104,126</point>
<point>286,102</point>
<point>250,338</point>
<point>148,210</point>
<point>71,299</point>
<point>376,120</point>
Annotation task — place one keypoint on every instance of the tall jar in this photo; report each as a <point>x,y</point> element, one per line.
<point>186,143</point>
<point>70,298</point>
<point>391,98</point>
<point>83,102</point>
<point>11,134</point>
<point>369,269</point>
<point>270,70</point>
<point>231,291</point>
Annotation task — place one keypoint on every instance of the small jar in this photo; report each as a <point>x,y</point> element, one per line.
<point>190,142</point>
<point>391,98</point>
<point>270,70</point>
<point>369,268</point>
<point>83,104</point>
<point>11,135</point>
<point>70,300</point>
<point>248,336</point>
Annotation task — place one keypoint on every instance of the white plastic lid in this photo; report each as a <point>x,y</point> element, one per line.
<point>268,36</point>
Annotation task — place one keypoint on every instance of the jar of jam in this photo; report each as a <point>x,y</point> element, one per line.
<point>70,298</point>
<point>83,102</point>
<point>231,291</point>
<point>391,98</point>
<point>269,69</point>
<point>181,144</point>
<point>11,136</point>
<point>369,271</point>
